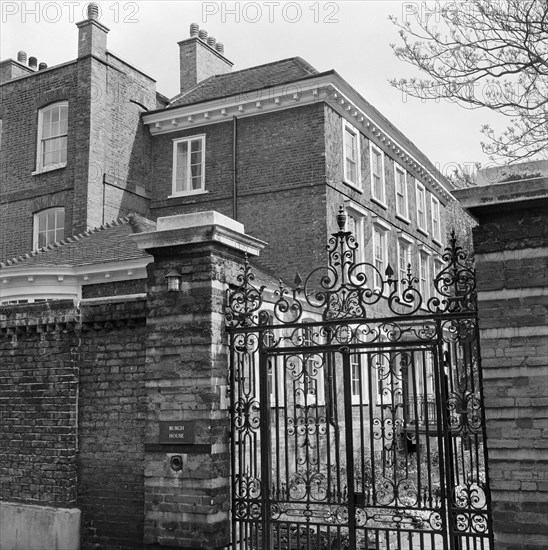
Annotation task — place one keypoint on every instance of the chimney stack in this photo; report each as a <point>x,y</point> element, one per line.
<point>22,57</point>
<point>92,35</point>
<point>200,57</point>
<point>33,63</point>
<point>42,66</point>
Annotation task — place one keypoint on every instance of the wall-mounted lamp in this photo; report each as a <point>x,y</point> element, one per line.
<point>173,281</point>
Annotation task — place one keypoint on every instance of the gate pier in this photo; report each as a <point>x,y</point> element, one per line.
<point>187,452</point>
<point>511,262</point>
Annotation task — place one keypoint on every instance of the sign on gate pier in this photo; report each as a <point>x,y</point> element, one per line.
<point>178,431</point>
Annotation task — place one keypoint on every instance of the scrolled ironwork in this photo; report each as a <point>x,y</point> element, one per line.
<point>455,283</point>
<point>355,424</point>
<point>346,288</point>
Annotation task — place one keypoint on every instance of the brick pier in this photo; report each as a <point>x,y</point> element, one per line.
<point>511,261</point>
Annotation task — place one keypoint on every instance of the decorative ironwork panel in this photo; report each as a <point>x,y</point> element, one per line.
<point>351,432</point>
<point>347,288</point>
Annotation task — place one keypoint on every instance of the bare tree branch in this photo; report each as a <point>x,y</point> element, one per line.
<point>484,53</point>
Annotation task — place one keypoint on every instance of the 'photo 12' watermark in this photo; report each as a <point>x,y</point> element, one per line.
<point>270,12</point>
<point>72,12</point>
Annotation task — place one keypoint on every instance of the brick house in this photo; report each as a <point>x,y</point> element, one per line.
<point>74,153</point>
<point>90,153</point>
<point>279,147</point>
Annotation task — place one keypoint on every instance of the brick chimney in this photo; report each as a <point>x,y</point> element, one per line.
<point>10,69</point>
<point>199,60</point>
<point>92,35</point>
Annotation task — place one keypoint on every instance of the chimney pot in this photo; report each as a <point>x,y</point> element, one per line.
<point>42,66</point>
<point>33,62</point>
<point>211,41</point>
<point>220,47</point>
<point>194,29</point>
<point>93,11</point>
<point>22,57</point>
<point>202,34</point>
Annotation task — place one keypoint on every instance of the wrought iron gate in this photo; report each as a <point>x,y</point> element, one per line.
<point>357,416</point>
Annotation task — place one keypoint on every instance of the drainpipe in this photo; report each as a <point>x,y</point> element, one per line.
<point>234,169</point>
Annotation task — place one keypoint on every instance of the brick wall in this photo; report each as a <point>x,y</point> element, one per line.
<point>512,277</point>
<point>72,413</point>
<point>281,183</point>
<point>39,372</point>
<point>111,424</point>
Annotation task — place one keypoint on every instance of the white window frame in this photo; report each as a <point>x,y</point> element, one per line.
<point>382,231</point>
<point>40,166</point>
<point>360,384</point>
<point>437,267</point>
<point>36,232</point>
<point>420,186</point>
<point>349,129</point>
<point>372,150</point>
<point>402,273</point>
<point>176,142</point>
<point>359,214</point>
<point>436,221</point>
<point>405,213</point>
<point>319,397</point>
<point>426,386</point>
<point>276,381</point>
<point>426,281</point>
<point>381,354</point>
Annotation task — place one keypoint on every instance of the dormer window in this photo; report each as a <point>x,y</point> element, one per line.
<point>188,166</point>
<point>49,227</point>
<point>52,137</point>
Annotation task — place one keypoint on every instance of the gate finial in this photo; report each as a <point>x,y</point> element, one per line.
<point>341,218</point>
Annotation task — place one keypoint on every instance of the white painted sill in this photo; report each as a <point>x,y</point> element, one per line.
<point>352,185</point>
<point>380,203</point>
<point>188,194</point>
<point>403,219</point>
<point>49,168</point>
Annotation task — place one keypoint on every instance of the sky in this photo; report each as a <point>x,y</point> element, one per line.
<point>351,37</point>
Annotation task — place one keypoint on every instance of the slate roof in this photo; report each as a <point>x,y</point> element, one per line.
<point>110,242</point>
<point>253,78</point>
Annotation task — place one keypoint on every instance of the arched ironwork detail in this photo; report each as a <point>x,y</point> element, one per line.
<point>346,288</point>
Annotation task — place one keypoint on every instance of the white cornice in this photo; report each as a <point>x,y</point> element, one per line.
<point>329,88</point>
<point>261,101</point>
